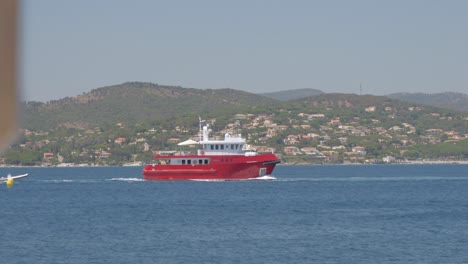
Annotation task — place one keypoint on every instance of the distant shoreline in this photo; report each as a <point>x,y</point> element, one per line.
<point>424,162</point>
<point>421,162</point>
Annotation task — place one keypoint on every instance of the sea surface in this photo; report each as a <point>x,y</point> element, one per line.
<point>301,214</point>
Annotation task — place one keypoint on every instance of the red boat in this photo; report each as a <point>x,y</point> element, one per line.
<point>228,159</point>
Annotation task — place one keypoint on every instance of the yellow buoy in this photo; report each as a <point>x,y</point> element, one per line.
<point>10,182</point>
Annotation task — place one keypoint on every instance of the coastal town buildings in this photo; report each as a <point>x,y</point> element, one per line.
<point>316,137</point>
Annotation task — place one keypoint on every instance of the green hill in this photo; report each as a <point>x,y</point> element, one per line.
<point>449,100</point>
<point>337,100</point>
<point>135,102</point>
<point>388,111</point>
<point>84,129</point>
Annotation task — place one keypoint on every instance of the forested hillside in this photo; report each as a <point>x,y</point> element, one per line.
<point>450,100</point>
<point>136,102</point>
<point>132,121</point>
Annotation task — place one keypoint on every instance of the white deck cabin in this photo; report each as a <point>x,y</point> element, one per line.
<point>231,145</point>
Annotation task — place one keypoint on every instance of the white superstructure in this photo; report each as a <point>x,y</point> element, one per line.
<point>231,145</point>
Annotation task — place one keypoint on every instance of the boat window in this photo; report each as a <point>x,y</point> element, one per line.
<point>189,162</point>
<point>217,147</point>
<point>183,162</point>
<point>222,146</point>
<point>212,147</point>
<point>206,161</point>
<point>195,162</point>
<point>200,161</point>
<point>232,146</point>
<point>237,146</point>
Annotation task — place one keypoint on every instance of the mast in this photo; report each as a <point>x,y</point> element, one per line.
<point>199,130</point>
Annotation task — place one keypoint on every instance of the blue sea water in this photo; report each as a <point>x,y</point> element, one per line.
<point>305,214</point>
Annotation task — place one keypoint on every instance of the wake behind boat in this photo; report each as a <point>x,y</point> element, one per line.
<point>228,159</point>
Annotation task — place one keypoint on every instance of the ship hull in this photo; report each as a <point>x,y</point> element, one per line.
<point>221,167</point>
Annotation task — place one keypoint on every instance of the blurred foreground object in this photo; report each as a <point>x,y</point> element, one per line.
<point>8,90</point>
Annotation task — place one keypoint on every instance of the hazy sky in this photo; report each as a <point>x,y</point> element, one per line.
<point>71,47</point>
